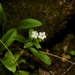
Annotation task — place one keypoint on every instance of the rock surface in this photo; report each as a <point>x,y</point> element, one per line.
<point>54,14</point>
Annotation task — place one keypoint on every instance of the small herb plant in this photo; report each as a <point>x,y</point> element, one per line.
<point>70,52</point>
<point>31,45</point>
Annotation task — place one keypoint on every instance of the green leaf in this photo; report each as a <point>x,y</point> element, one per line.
<point>9,62</point>
<point>3,19</point>
<point>30,34</point>
<point>20,38</point>
<point>29,44</point>
<point>8,38</point>
<point>22,61</point>
<point>34,51</point>
<point>44,58</point>
<point>28,23</point>
<point>16,56</point>
<point>31,66</point>
<point>67,51</point>
<point>72,53</point>
<point>37,45</point>
<point>21,72</point>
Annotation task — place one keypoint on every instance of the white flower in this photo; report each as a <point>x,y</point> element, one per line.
<point>35,34</point>
<point>42,35</point>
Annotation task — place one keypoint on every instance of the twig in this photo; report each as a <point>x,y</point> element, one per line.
<point>7,48</point>
<point>57,57</point>
<point>67,69</point>
<point>53,56</point>
<point>51,72</point>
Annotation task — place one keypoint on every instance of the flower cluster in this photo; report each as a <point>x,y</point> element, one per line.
<point>40,35</point>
